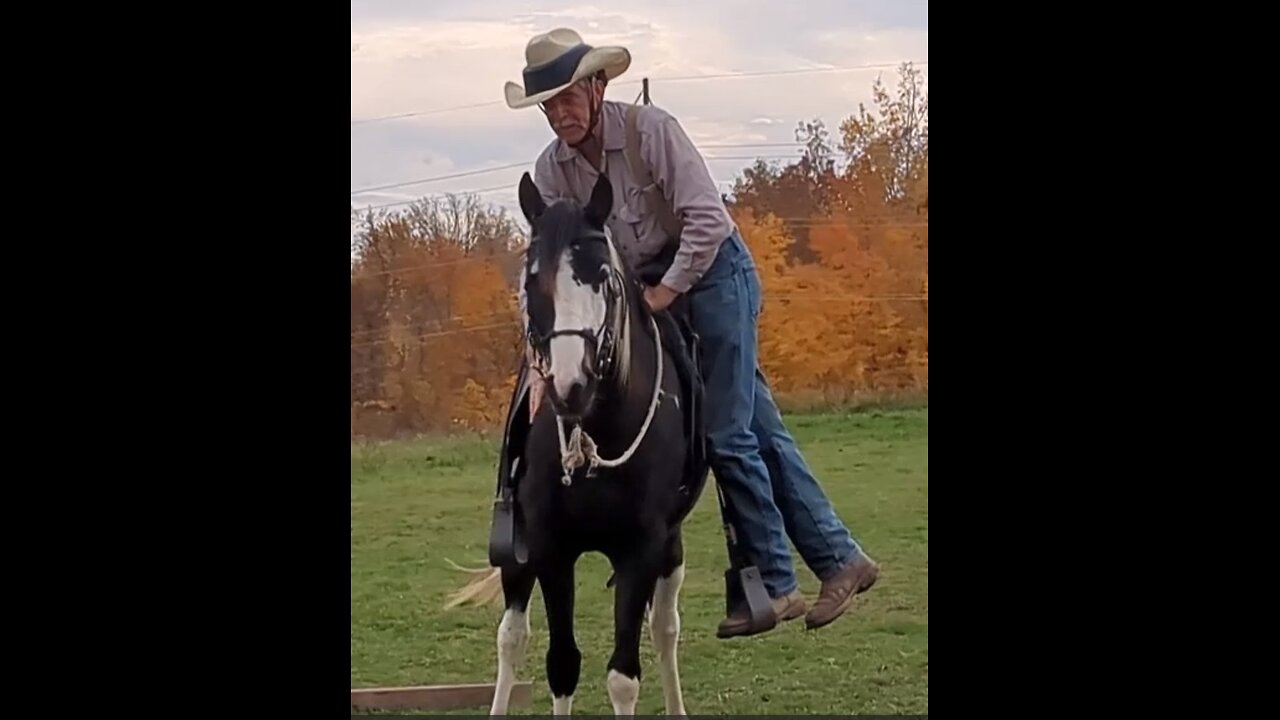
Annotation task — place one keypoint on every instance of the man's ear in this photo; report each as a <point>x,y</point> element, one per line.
<point>531,202</point>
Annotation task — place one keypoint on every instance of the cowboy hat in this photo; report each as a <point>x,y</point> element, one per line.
<point>557,59</point>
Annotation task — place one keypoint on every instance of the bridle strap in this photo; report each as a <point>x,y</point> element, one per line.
<point>606,338</point>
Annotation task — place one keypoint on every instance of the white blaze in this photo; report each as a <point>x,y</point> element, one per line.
<point>578,307</point>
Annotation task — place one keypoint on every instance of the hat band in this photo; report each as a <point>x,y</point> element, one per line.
<point>555,73</point>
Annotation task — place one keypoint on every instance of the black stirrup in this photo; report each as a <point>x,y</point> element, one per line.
<point>506,536</point>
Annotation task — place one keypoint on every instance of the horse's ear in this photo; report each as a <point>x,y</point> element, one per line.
<point>601,205</point>
<point>531,202</point>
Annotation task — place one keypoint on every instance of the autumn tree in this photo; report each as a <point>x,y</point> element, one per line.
<point>881,198</point>
<point>893,140</point>
<point>794,192</point>
<point>433,313</point>
<point>857,253</point>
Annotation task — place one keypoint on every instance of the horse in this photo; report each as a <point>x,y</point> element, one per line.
<point>606,464</point>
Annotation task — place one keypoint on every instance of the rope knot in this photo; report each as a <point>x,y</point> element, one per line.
<point>577,451</point>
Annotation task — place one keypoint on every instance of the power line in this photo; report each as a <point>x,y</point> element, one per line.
<point>775,296</point>
<point>762,157</point>
<point>434,178</point>
<point>504,186</point>
<point>516,165</point>
<point>678,78</point>
<point>360,334</point>
<point>364,333</point>
<point>794,223</point>
<point>509,166</point>
<point>430,266</point>
<point>765,73</point>
<point>794,143</point>
<point>426,112</point>
<point>443,333</point>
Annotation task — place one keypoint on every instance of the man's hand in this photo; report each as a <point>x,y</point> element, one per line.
<point>659,297</point>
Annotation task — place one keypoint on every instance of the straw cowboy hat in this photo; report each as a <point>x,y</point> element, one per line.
<point>557,59</point>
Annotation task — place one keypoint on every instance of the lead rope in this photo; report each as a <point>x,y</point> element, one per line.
<point>580,448</point>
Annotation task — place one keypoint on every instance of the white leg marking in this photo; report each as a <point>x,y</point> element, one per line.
<point>513,639</point>
<point>623,693</point>
<point>562,705</point>
<point>664,626</point>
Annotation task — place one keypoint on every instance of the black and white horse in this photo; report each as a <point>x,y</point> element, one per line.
<point>605,457</point>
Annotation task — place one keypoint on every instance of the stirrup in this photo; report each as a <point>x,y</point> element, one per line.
<point>742,581</point>
<point>506,539</point>
<point>746,585</point>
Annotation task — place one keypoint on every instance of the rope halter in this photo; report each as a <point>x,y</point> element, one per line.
<point>580,449</point>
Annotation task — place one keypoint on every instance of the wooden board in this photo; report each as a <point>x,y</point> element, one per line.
<point>436,697</point>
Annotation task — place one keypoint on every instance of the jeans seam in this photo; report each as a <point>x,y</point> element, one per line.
<point>749,349</point>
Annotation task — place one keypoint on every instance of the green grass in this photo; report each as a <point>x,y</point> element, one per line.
<point>414,504</point>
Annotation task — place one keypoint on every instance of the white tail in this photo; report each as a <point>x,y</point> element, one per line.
<point>485,587</point>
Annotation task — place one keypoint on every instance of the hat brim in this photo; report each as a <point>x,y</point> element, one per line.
<point>613,60</point>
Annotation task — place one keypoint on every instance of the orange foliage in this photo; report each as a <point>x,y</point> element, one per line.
<point>434,330</point>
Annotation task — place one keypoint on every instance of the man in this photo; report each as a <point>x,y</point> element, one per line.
<point>754,458</point>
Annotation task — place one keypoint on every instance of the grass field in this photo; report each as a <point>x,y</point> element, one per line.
<point>414,504</point>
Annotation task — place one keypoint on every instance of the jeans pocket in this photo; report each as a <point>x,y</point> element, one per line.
<point>717,304</point>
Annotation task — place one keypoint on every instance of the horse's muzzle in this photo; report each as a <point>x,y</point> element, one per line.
<point>570,403</point>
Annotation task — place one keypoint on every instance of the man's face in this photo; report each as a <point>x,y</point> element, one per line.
<point>569,113</point>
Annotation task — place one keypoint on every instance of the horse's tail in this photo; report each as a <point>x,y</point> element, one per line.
<point>484,587</point>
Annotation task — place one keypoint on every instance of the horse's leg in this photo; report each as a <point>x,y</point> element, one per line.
<point>664,623</point>
<point>513,633</point>
<point>564,661</point>
<point>635,585</point>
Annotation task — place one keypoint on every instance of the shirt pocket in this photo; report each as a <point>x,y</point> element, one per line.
<point>634,212</point>
<point>634,208</point>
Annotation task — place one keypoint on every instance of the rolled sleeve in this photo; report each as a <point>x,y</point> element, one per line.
<point>688,186</point>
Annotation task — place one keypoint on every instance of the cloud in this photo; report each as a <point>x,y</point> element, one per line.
<point>410,57</point>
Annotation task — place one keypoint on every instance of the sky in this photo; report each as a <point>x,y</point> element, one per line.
<point>421,59</point>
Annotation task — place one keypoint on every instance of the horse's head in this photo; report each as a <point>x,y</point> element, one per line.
<point>577,315</point>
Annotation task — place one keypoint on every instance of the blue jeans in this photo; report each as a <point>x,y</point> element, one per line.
<point>754,458</point>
